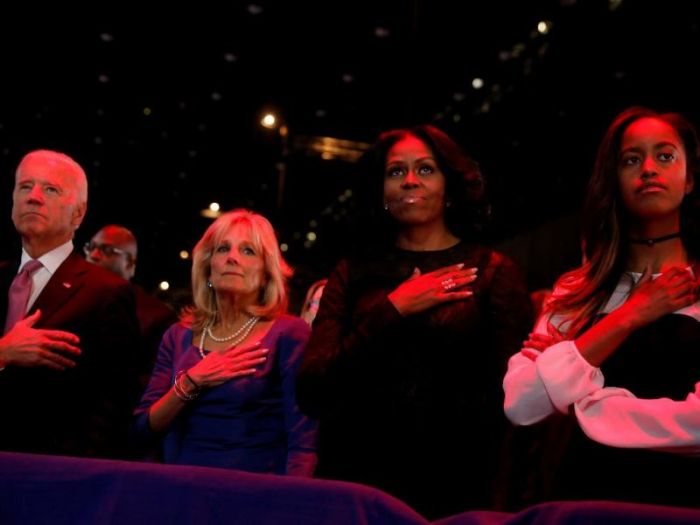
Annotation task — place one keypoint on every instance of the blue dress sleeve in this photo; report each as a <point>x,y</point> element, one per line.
<point>160,382</point>
<point>301,430</point>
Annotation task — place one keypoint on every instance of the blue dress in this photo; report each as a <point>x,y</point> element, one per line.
<point>250,423</point>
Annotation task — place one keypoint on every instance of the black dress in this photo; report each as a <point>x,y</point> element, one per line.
<point>413,405</point>
<point>661,360</point>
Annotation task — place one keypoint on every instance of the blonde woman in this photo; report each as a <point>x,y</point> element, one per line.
<point>222,391</point>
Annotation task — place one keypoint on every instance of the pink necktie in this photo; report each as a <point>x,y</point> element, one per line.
<point>20,290</point>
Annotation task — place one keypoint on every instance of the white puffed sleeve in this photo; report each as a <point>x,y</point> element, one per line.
<point>615,417</point>
<point>551,380</point>
<point>566,375</point>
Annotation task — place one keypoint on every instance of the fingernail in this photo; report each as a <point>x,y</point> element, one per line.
<point>460,265</point>
<point>265,350</point>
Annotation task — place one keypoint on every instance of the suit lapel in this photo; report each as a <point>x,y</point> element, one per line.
<point>67,280</point>
<point>8,270</point>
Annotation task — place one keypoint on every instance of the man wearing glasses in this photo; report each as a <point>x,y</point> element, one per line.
<point>113,248</point>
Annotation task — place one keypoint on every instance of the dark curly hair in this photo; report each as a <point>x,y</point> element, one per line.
<point>465,190</point>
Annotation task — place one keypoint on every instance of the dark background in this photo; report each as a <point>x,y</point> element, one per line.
<point>162,107</point>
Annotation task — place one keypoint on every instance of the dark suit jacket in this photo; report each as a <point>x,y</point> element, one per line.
<point>83,411</point>
<point>155,317</point>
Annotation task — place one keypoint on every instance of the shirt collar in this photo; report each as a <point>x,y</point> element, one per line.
<point>626,284</point>
<point>50,260</point>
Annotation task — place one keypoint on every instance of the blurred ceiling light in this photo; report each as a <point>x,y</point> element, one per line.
<point>330,148</point>
<point>517,50</point>
<point>477,83</point>
<point>381,32</point>
<point>164,285</point>
<point>269,120</point>
<point>544,26</point>
<point>212,212</point>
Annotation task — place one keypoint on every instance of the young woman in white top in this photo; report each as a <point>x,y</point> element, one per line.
<point>617,348</point>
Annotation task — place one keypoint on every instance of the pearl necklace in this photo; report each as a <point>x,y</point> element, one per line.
<point>237,337</point>
<point>244,328</point>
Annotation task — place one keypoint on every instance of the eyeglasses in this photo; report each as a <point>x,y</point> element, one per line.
<point>105,249</point>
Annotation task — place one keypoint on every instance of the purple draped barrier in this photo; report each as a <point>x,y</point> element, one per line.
<point>60,490</point>
<point>581,513</point>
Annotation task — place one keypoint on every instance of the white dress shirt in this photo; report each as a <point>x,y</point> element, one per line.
<point>50,261</point>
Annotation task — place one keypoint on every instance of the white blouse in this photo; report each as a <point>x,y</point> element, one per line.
<point>540,383</point>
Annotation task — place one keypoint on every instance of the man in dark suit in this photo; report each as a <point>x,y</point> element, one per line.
<point>67,384</point>
<point>115,248</point>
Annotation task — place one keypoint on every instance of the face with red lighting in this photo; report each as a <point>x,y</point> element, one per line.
<point>46,202</point>
<point>238,265</point>
<point>652,173</point>
<point>123,263</point>
<point>414,186</point>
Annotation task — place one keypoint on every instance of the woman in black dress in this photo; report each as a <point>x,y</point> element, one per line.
<point>406,357</point>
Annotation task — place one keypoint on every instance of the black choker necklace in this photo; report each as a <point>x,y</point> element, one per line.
<point>655,240</point>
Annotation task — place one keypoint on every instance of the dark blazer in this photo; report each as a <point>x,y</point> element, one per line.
<point>83,411</point>
<point>155,317</point>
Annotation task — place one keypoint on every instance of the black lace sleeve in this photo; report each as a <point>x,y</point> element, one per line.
<point>337,338</point>
<point>511,309</point>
